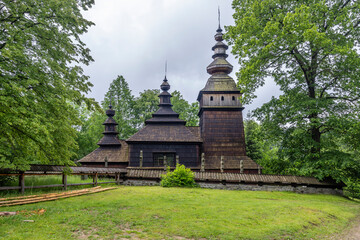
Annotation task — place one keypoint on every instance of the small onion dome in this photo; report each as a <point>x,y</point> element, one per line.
<point>165,86</point>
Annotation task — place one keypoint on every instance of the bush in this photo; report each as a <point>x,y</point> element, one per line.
<point>7,180</point>
<point>180,177</point>
<point>352,189</point>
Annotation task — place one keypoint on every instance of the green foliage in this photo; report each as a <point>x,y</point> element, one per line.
<point>145,105</point>
<point>40,79</point>
<point>123,103</point>
<point>89,132</point>
<point>352,189</point>
<point>180,177</point>
<point>310,49</point>
<point>7,180</point>
<point>188,112</point>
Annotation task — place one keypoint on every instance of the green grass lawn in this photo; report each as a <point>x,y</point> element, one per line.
<point>182,213</point>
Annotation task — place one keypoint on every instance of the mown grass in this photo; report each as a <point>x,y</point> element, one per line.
<point>178,213</point>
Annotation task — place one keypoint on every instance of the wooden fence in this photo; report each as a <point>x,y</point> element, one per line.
<point>45,170</point>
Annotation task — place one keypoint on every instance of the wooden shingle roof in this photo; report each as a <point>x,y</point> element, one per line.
<point>113,154</point>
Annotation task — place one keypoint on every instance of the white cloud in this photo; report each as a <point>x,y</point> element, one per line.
<point>133,38</point>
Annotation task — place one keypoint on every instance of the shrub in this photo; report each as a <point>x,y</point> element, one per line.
<point>352,189</point>
<point>7,180</point>
<point>180,177</point>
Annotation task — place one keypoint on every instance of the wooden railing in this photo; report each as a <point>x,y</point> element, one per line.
<point>43,170</point>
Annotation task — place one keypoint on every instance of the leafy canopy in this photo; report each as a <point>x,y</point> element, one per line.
<point>311,50</point>
<point>41,80</point>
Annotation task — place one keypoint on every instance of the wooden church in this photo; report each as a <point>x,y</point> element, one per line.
<point>217,145</point>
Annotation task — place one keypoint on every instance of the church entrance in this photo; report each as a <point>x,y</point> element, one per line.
<point>160,158</point>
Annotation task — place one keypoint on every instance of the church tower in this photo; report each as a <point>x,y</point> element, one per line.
<point>221,120</point>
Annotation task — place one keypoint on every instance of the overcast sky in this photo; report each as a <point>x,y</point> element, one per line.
<point>134,38</point>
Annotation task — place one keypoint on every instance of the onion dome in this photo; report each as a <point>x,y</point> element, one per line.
<point>219,69</point>
<point>110,133</point>
<point>219,65</point>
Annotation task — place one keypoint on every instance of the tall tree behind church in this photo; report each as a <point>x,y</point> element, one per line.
<point>123,102</point>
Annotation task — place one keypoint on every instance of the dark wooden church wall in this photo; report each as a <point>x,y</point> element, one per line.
<point>189,154</point>
<point>223,133</point>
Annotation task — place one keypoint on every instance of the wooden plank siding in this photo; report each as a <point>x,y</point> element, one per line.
<point>189,154</point>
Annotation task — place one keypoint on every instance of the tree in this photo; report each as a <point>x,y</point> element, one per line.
<point>145,105</point>
<point>41,80</point>
<point>262,149</point>
<point>310,48</point>
<point>187,112</point>
<point>89,132</point>
<point>123,103</point>
<point>148,101</point>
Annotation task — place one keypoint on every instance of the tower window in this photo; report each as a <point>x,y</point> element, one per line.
<point>222,98</point>
<point>211,98</point>
<point>233,98</point>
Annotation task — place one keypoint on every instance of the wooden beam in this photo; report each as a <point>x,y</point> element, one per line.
<point>95,179</point>
<point>64,181</point>
<point>22,182</point>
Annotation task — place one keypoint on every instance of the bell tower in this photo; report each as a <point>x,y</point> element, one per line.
<point>221,120</point>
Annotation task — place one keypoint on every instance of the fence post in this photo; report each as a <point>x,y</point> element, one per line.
<point>22,182</point>
<point>117,178</point>
<point>95,179</point>
<point>64,181</point>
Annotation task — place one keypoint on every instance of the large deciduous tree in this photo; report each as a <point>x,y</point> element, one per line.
<point>311,50</point>
<point>41,80</point>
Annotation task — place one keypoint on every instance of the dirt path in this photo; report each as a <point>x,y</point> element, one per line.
<point>351,234</point>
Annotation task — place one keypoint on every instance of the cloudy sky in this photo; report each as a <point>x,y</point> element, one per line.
<point>134,38</point>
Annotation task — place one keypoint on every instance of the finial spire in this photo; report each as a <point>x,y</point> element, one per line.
<point>165,69</point>
<point>110,106</point>
<point>219,17</point>
<point>110,99</point>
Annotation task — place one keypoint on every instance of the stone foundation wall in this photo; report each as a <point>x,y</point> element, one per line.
<point>247,187</point>
<point>137,182</point>
<point>279,188</point>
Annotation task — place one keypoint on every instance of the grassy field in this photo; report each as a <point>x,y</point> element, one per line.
<point>180,213</point>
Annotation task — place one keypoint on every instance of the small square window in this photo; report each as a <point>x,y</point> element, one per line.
<point>159,158</point>
<point>222,98</point>
<point>211,98</point>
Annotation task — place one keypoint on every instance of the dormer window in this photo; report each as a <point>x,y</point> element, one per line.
<point>222,98</point>
<point>211,98</point>
<point>233,98</point>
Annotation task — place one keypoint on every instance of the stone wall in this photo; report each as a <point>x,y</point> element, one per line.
<point>280,188</point>
<point>137,182</point>
<point>247,187</point>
